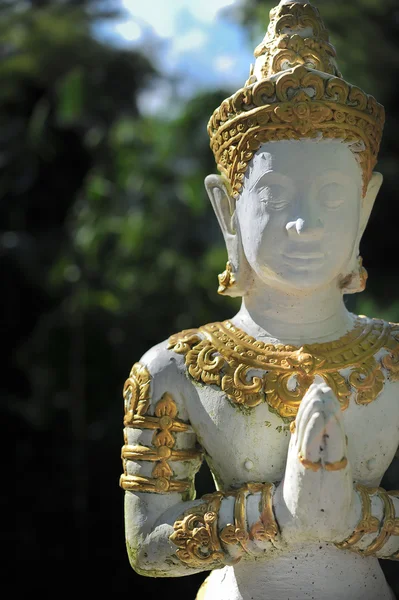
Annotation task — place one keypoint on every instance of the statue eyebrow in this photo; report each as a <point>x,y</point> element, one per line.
<point>280,175</point>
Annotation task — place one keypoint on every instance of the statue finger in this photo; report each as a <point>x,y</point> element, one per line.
<point>334,444</point>
<point>311,448</point>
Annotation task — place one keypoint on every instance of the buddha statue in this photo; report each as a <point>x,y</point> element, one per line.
<point>294,401</point>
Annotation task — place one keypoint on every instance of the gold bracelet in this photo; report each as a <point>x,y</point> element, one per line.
<point>384,534</point>
<point>266,528</point>
<point>388,526</point>
<point>196,535</point>
<point>236,533</point>
<point>367,524</point>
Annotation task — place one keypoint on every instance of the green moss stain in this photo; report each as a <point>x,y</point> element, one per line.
<point>133,560</point>
<point>286,420</point>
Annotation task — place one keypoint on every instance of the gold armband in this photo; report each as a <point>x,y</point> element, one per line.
<point>200,545</point>
<point>165,424</point>
<point>389,525</point>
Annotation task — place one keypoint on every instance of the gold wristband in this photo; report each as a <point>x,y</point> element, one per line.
<point>384,534</point>
<point>266,528</point>
<point>196,535</point>
<point>388,526</point>
<point>367,524</point>
<point>237,533</point>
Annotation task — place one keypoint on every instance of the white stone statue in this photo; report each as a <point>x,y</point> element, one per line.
<point>293,402</point>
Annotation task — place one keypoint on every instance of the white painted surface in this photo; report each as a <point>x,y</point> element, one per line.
<point>301,200</point>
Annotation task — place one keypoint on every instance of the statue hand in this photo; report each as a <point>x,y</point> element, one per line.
<point>315,496</point>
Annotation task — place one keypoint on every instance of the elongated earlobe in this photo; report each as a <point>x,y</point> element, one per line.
<point>355,280</point>
<point>234,281</point>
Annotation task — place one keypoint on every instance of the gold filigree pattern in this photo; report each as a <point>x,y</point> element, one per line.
<point>250,371</point>
<point>369,524</point>
<point>160,485</point>
<point>294,91</point>
<point>391,361</point>
<point>226,279</point>
<point>136,392</point>
<point>284,48</point>
<point>164,424</point>
<point>196,535</point>
<point>266,529</point>
<point>236,533</point>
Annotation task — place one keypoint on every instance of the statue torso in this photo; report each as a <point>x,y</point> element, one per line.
<point>245,394</point>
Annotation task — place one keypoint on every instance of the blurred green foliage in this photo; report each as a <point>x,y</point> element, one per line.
<point>108,245</point>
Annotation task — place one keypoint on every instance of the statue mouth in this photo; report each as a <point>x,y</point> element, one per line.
<point>304,255</point>
<point>304,260</point>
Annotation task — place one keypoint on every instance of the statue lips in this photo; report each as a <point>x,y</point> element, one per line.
<point>304,260</point>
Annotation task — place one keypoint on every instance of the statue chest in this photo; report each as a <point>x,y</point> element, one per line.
<point>251,444</point>
<point>245,393</point>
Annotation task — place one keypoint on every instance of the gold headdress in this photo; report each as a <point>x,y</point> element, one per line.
<point>294,91</point>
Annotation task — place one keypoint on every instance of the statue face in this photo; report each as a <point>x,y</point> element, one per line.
<point>299,212</point>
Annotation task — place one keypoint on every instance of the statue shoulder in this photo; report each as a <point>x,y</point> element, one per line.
<point>159,371</point>
<point>166,359</point>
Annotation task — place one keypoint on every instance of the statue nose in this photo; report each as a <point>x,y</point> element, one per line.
<point>304,228</point>
<point>298,225</point>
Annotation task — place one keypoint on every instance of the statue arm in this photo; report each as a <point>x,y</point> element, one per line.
<point>168,532</point>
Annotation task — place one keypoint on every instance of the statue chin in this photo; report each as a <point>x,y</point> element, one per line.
<point>298,279</point>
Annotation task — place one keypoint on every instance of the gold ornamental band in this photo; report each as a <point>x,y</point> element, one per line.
<point>266,528</point>
<point>211,519</point>
<point>267,516</point>
<point>196,534</point>
<point>160,485</point>
<point>367,524</point>
<point>385,532</point>
<point>315,466</point>
<point>240,517</point>
<point>164,422</point>
<point>309,464</point>
<point>336,466</point>
<point>161,453</point>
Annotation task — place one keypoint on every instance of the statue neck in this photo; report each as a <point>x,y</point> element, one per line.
<point>316,316</point>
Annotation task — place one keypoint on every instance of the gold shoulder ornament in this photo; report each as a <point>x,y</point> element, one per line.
<point>250,371</point>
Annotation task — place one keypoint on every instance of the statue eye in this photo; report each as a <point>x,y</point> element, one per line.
<point>275,196</point>
<point>331,195</point>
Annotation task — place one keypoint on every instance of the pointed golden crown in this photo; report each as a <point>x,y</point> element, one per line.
<point>294,91</point>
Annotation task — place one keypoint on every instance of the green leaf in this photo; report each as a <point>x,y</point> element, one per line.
<point>71,94</point>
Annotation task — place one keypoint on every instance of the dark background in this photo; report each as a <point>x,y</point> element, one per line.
<point>107,246</point>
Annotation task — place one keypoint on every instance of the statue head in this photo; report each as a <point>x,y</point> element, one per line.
<point>296,148</point>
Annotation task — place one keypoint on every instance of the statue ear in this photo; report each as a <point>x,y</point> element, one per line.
<point>356,280</point>
<point>224,206</point>
<point>368,201</point>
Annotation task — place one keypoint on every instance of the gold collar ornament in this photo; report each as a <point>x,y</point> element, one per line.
<point>250,371</point>
<point>294,91</point>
